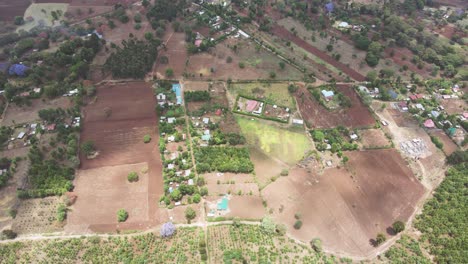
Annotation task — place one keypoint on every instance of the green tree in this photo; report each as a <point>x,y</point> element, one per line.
<point>282,65</point>
<point>380,239</point>
<point>122,215</point>
<point>176,195</point>
<point>316,245</point>
<point>19,20</point>
<point>398,226</point>
<point>298,224</point>
<point>88,147</point>
<point>268,225</point>
<point>169,72</point>
<point>132,177</point>
<point>190,214</point>
<point>147,139</point>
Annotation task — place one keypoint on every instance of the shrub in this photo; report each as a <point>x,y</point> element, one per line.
<point>241,65</point>
<point>196,198</point>
<point>147,139</point>
<point>380,239</point>
<point>281,229</point>
<point>88,147</point>
<point>298,224</point>
<point>61,213</point>
<point>169,72</point>
<point>9,234</point>
<point>132,177</point>
<point>122,215</point>
<point>190,214</point>
<point>437,142</point>
<point>316,245</point>
<point>398,226</point>
<point>229,59</point>
<point>268,225</point>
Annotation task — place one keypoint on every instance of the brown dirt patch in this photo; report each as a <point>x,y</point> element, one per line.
<point>266,168</point>
<point>246,207</point>
<point>225,183</point>
<point>373,138</point>
<point>317,116</point>
<point>449,145</point>
<point>402,119</point>
<point>454,106</point>
<point>176,52</point>
<point>27,114</point>
<point>9,9</point>
<point>119,140</point>
<point>346,208</point>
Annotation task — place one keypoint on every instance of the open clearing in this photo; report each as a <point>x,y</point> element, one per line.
<point>176,52</point>
<point>273,93</point>
<point>27,114</point>
<point>41,14</point>
<point>317,116</point>
<point>347,207</point>
<point>278,143</point>
<point>116,122</point>
<point>258,63</point>
<point>373,138</point>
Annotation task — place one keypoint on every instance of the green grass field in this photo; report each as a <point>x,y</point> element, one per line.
<point>276,142</point>
<point>273,93</point>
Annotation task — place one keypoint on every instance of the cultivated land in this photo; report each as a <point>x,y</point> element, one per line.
<point>117,121</point>
<point>273,93</point>
<point>347,206</point>
<point>317,116</point>
<point>9,9</point>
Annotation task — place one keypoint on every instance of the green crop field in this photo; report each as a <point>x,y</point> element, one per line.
<point>276,142</point>
<point>273,93</point>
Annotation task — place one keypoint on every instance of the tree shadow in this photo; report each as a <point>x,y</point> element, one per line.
<point>391,231</point>
<point>373,242</point>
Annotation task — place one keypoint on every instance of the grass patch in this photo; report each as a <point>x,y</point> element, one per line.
<point>276,142</point>
<point>272,93</point>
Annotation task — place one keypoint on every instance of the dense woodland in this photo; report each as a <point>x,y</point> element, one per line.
<point>223,159</point>
<point>134,59</point>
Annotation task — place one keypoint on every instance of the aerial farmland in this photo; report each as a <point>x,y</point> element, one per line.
<point>233,132</point>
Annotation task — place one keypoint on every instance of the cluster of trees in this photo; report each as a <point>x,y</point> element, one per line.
<point>52,115</point>
<point>5,164</point>
<point>134,59</point>
<point>334,137</point>
<point>223,159</point>
<point>5,133</point>
<point>220,138</point>
<point>373,48</point>
<point>197,96</point>
<point>46,176</point>
<point>443,221</point>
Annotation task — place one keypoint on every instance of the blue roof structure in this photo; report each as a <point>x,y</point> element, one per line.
<point>326,93</point>
<point>330,7</point>
<point>17,69</point>
<point>206,137</point>
<point>178,91</point>
<point>435,114</point>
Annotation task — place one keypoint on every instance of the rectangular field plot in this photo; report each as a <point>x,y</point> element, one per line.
<point>317,116</point>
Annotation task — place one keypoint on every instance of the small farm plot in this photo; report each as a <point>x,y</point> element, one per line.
<point>172,58</point>
<point>239,59</point>
<point>182,247</point>
<point>354,115</point>
<point>231,206</point>
<point>27,114</point>
<point>261,109</point>
<point>47,14</point>
<point>37,216</point>
<point>250,244</point>
<point>123,126</point>
<point>271,93</point>
<point>347,207</point>
<point>278,143</point>
<point>374,138</point>
<point>230,183</point>
<point>9,9</point>
<point>448,145</point>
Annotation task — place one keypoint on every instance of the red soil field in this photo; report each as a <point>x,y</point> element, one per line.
<point>9,9</point>
<point>176,52</point>
<point>118,137</point>
<point>317,116</point>
<point>285,34</point>
<point>347,207</point>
